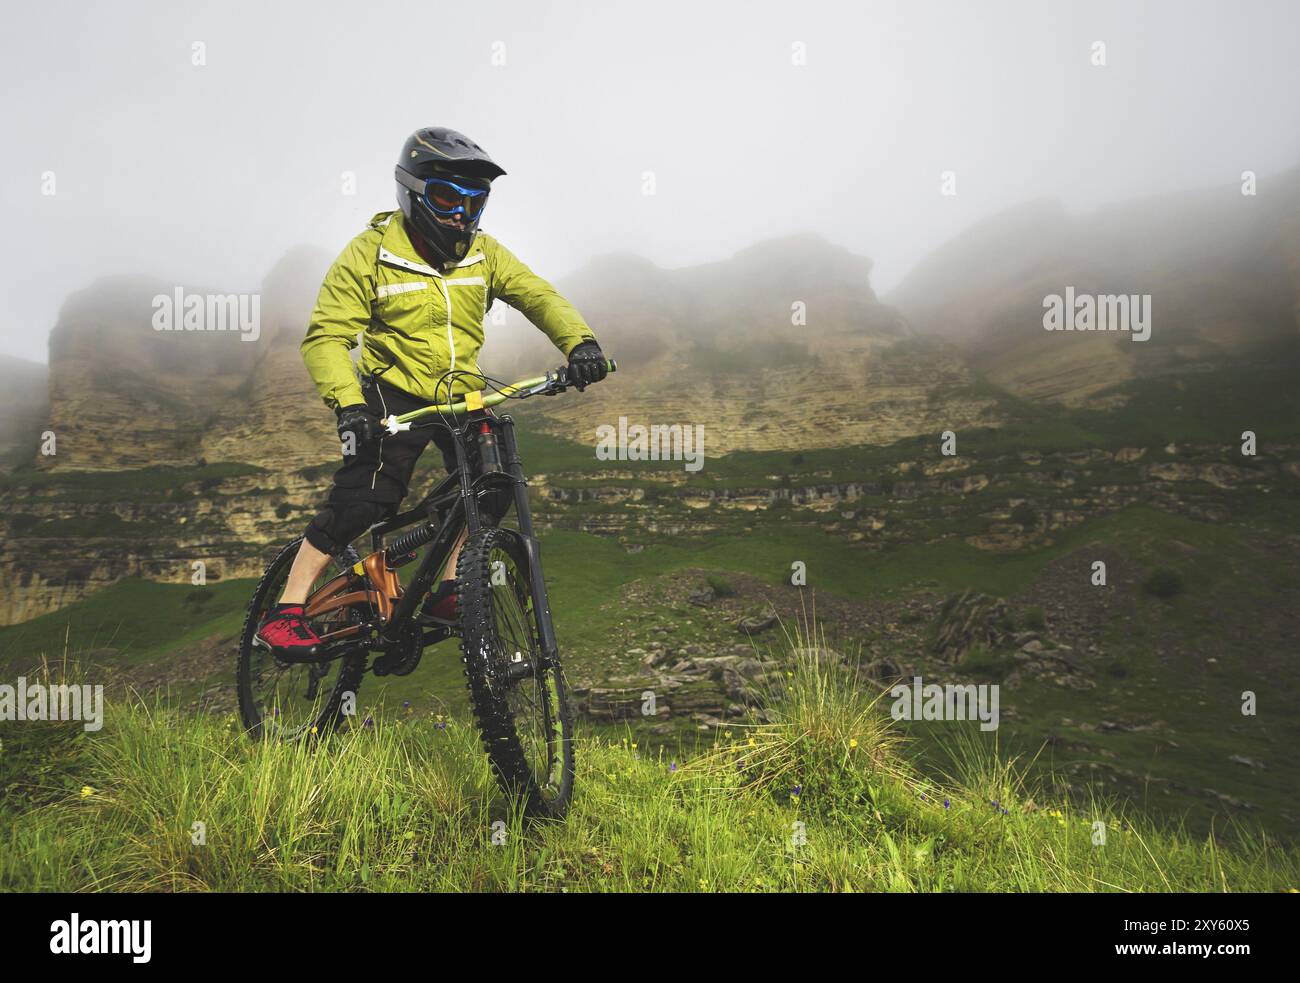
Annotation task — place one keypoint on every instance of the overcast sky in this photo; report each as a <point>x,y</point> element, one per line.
<point>206,174</point>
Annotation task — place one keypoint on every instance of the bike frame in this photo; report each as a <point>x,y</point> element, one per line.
<point>458,496</point>
<point>439,518</point>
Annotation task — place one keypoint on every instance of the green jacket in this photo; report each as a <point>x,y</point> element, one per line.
<point>424,321</point>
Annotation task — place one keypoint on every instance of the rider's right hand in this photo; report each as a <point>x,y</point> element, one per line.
<point>364,426</point>
<point>587,364</point>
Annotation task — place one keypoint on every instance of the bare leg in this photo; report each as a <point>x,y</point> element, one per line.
<point>449,570</point>
<point>307,566</point>
<point>311,562</point>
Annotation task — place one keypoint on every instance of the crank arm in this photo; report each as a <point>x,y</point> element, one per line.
<point>318,655</point>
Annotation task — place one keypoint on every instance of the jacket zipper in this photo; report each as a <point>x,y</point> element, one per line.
<point>383,403</point>
<point>451,344</point>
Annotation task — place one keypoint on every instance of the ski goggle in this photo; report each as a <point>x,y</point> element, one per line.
<point>446,197</point>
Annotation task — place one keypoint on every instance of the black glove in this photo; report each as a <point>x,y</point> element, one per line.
<point>587,364</point>
<point>364,426</point>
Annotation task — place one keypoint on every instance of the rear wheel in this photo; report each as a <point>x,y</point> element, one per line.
<point>292,701</point>
<point>518,695</point>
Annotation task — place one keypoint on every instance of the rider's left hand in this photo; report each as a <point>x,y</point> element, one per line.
<point>587,364</point>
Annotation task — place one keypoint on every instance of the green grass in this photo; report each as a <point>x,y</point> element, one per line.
<point>103,485</point>
<point>146,621</point>
<point>139,619</point>
<point>821,798</point>
<point>1164,583</point>
<point>1228,579</point>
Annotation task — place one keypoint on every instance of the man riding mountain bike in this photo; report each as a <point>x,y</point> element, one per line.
<point>416,285</point>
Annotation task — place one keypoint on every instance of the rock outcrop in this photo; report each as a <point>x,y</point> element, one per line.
<point>783,345</point>
<point>124,395</point>
<point>1222,271</point>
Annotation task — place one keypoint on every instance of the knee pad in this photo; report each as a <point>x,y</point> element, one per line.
<point>335,526</point>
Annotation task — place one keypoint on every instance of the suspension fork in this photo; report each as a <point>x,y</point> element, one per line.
<point>466,480</point>
<point>541,601</point>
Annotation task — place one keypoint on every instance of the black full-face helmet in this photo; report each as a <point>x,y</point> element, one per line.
<point>443,180</point>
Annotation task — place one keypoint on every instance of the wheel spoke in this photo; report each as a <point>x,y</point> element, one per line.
<point>531,707</point>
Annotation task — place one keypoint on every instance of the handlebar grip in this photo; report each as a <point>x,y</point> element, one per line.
<point>609,362</point>
<point>563,370</point>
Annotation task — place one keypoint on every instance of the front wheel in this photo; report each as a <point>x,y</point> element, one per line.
<point>518,694</point>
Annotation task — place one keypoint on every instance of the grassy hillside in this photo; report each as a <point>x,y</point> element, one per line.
<point>822,797</point>
<point>1133,688</point>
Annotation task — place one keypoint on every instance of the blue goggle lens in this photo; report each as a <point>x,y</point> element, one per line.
<point>449,198</point>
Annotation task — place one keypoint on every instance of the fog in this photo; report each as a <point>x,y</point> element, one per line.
<point>755,120</point>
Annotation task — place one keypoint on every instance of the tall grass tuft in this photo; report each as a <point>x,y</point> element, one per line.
<point>826,741</point>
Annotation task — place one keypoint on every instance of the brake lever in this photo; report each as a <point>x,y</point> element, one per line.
<point>563,373</point>
<point>544,388</point>
<point>558,382</point>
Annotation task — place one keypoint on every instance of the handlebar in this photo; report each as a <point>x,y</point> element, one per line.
<point>543,385</point>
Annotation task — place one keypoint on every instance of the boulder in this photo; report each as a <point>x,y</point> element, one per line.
<point>754,624</point>
<point>969,619</point>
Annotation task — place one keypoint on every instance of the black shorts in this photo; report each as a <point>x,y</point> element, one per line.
<point>372,483</point>
<point>381,471</point>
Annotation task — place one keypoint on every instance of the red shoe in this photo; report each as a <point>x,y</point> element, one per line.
<point>284,629</point>
<point>444,603</point>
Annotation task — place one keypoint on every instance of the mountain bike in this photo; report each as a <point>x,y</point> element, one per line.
<point>370,619</point>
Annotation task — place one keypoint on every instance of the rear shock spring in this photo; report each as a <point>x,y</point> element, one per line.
<point>402,549</point>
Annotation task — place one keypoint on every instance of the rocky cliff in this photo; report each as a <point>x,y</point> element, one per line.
<point>1222,270</point>
<point>172,447</point>
<point>26,405</point>
<point>177,447</point>
<point>124,394</point>
<point>785,345</point>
